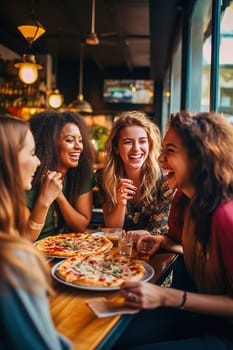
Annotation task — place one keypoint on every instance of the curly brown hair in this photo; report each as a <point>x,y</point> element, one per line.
<point>208,138</point>
<point>46,128</point>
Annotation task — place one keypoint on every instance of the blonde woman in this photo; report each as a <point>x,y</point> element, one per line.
<point>133,189</point>
<point>25,320</point>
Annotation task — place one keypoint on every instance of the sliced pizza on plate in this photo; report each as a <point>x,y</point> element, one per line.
<point>100,270</point>
<point>70,244</point>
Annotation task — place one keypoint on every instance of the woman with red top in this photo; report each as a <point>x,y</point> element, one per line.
<point>197,157</point>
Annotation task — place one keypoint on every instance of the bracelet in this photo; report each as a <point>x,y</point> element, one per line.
<point>182,305</point>
<point>34,225</point>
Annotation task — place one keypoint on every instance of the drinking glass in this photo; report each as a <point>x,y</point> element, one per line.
<point>125,244</point>
<point>143,249</point>
<point>112,233</point>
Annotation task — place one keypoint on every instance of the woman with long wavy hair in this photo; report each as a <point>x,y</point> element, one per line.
<point>24,277</point>
<point>133,189</point>
<point>197,313</point>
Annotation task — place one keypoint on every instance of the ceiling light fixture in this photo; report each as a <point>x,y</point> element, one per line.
<point>31,32</point>
<point>28,68</point>
<point>80,105</point>
<point>55,99</point>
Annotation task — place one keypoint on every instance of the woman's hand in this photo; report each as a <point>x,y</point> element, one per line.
<point>153,241</point>
<point>51,187</point>
<point>145,295</point>
<point>115,217</point>
<point>140,236</point>
<point>142,295</point>
<point>125,190</point>
<point>136,234</point>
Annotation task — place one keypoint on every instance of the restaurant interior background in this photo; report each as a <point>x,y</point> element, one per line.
<point>153,55</point>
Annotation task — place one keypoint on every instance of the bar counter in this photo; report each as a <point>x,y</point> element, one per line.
<point>74,319</point>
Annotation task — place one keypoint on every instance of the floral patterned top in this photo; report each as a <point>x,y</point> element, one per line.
<point>152,216</point>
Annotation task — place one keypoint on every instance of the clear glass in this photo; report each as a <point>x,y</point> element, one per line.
<point>112,234</point>
<point>143,249</point>
<point>125,244</point>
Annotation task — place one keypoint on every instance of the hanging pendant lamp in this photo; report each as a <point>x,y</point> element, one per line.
<point>79,104</point>
<point>31,32</point>
<point>33,29</point>
<point>28,68</point>
<point>55,99</point>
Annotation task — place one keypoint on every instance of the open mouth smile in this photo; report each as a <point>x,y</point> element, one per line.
<point>136,156</point>
<point>74,156</point>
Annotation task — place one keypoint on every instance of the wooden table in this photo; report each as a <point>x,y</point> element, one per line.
<point>74,319</point>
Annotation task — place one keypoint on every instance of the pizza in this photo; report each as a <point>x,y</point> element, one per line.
<point>70,244</point>
<point>100,270</point>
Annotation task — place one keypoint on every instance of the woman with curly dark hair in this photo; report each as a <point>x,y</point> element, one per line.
<point>198,159</point>
<point>61,196</point>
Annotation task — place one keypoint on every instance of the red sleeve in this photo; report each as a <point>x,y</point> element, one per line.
<point>222,230</point>
<point>175,221</point>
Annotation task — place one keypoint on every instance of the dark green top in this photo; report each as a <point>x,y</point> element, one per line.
<point>54,222</point>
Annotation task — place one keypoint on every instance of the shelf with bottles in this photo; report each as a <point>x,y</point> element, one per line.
<point>15,96</point>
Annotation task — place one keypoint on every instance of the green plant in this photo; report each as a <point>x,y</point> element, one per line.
<point>100,135</point>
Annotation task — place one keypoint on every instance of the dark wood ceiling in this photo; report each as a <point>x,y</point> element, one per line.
<point>133,34</point>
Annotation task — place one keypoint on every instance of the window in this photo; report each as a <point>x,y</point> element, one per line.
<point>226,64</point>
<point>200,56</point>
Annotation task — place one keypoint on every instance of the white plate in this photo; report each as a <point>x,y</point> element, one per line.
<point>98,234</point>
<point>149,273</point>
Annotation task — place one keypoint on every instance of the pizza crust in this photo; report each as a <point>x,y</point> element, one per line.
<point>100,270</point>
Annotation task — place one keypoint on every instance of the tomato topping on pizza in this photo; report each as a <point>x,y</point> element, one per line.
<point>100,270</point>
<point>71,244</point>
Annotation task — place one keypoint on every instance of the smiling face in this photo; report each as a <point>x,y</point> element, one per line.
<point>133,147</point>
<point>70,146</point>
<point>28,161</point>
<point>177,164</point>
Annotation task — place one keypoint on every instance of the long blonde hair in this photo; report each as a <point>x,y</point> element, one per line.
<point>13,132</point>
<point>12,135</point>
<point>114,168</point>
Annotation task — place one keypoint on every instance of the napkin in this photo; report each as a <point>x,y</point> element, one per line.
<point>103,307</point>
